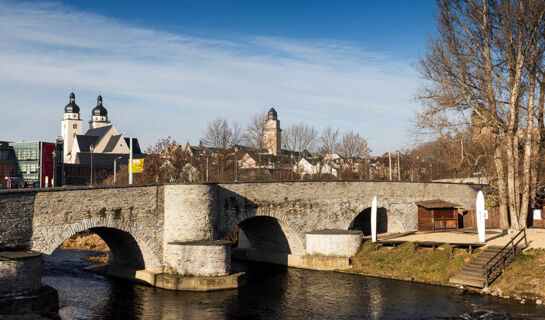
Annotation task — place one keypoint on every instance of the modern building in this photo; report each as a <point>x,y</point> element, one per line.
<point>97,150</point>
<point>37,163</point>
<point>8,167</point>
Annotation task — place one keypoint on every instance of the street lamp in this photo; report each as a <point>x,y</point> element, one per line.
<point>115,166</point>
<point>236,163</point>
<point>54,169</point>
<point>91,148</point>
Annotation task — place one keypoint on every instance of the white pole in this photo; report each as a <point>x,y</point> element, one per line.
<point>480,212</point>
<point>114,170</point>
<point>130,163</point>
<point>390,161</point>
<point>374,220</point>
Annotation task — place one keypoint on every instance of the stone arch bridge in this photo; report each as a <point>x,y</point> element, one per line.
<point>137,222</point>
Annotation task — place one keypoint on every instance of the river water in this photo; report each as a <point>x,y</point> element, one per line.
<point>272,292</point>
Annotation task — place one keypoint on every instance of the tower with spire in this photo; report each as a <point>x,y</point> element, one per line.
<point>272,134</point>
<point>71,124</point>
<point>99,115</point>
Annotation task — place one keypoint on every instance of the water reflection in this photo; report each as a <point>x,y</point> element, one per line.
<point>271,293</point>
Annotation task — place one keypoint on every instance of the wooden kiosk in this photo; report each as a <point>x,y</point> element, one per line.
<point>436,215</point>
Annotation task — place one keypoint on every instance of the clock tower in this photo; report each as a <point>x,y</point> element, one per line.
<point>272,134</point>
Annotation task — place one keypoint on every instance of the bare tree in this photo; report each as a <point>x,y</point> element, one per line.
<point>253,135</point>
<point>218,134</point>
<point>329,141</point>
<point>297,139</point>
<point>487,60</point>
<point>221,135</point>
<point>237,134</point>
<point>352,145</point>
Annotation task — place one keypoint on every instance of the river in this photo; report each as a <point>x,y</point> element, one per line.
<point>272,292</point>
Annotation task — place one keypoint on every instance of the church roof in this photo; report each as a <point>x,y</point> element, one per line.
<point>98,132</point>
<point>135,145</point>
<point>71,107</point>
<point>112,143</point>
<point>85,141</point>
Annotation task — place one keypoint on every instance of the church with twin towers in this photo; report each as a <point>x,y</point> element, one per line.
<point>102,141</point>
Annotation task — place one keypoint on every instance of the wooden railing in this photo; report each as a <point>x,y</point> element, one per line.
<point>504,256</point>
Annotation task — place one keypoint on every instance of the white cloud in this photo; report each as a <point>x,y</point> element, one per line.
<point>156,83</point>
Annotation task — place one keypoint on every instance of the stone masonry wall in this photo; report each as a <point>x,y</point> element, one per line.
<point>136,210</point>
<point>306,206</point>
<point>155,215</point>
<point>20,276</point>
<point>199,258</point>
<point>190,212</point>
<point>16,211</point>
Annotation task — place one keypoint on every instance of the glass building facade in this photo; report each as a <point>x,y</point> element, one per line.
<point>37,164</point>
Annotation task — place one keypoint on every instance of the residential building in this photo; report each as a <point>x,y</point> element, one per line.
<point>315,166</point>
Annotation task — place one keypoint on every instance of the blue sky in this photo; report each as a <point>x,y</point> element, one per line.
<point>167,67</point>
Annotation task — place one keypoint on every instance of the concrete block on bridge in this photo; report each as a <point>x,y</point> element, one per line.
<point>338,243</point>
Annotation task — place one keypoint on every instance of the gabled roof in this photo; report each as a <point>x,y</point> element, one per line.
<point>98,132</point>
<point>437,204</point>
<point>112,143</point>
<point>135,145</point>
<point>84,142</point>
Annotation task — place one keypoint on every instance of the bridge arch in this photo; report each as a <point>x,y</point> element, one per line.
<point>270,233</point>
<point>129,245</point>
<point>362,221</point>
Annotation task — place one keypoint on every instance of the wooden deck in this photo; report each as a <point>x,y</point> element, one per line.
<point>431,244</point>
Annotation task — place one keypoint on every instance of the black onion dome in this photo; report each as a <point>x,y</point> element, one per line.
<point>71,107</point>
<point>99,110</point>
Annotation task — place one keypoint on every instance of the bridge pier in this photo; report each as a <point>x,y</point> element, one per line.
<point>203,265</point>
<point>325,250</point>
<point>335,243</point>
<point>21,290</point>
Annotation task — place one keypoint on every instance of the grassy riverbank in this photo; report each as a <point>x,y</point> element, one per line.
<point>409,263</point>
<point>524,278</point>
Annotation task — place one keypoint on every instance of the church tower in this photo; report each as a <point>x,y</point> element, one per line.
<point>272,133</point>
<point>71,125</point>
<point>99,115</point>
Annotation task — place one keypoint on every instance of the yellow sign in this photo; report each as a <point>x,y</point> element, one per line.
<point>137,165</point>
